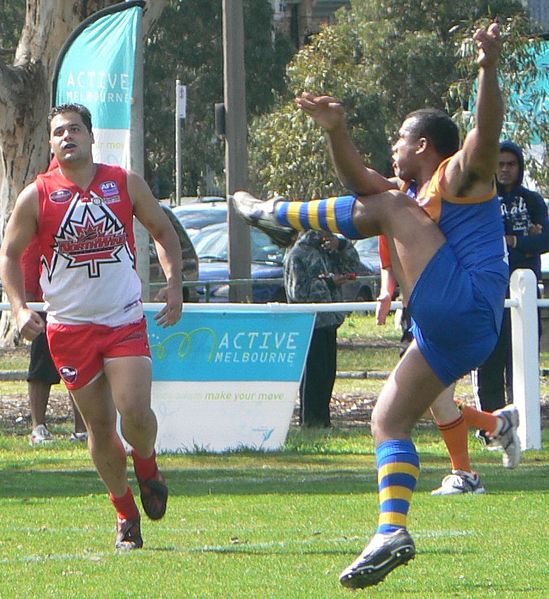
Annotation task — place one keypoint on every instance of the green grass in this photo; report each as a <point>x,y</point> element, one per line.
<point>362,326</point>
<point>17,359</point>
<point>279,525</point>
<point>382,354</point>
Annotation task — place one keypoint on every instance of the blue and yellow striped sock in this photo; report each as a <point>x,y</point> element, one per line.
<point>332,214</point>
<point>397,474</point>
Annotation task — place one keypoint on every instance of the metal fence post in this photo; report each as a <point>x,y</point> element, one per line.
<point>524,327</point>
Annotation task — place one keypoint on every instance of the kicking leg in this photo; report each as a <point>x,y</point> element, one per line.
<point>413,237</point>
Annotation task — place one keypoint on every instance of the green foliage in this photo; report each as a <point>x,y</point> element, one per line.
<point>287,150</point>
<point>382,59</point>
<point>188,45</point>
<point>526,120</point>
<point>13,17</point>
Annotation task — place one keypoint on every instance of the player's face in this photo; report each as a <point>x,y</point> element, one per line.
<point>405,152</point>
<point>70,141</point>
<point>508,169</point>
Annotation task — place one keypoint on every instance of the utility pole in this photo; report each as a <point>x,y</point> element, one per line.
<point>236,150</point>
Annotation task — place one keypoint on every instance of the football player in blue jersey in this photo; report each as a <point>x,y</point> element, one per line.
<point>448,255</point>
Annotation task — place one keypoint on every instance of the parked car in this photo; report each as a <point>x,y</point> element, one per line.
<point>188,255</point>
<point>194,216</point>
<point>366,287</point>
<point>212,247</point>
<point>368,251</point>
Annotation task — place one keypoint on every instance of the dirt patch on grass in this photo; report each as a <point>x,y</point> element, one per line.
<point>347,409</point>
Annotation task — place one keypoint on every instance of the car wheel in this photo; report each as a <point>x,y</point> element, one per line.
<point>364,295</point>
<point>280,297</point>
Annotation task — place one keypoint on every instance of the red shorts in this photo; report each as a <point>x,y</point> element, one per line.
<point>79,350</point>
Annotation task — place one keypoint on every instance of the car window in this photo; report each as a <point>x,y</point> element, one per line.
<point>194,217</point>
<point>212,243</point>
<point>264,250</point>
<point>368,252</point>
<point>198,218</point>
<point>369,244</point>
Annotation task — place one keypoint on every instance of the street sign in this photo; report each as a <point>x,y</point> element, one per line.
<point>181,100</point>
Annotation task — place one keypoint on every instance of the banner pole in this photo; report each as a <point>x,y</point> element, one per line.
<point>137,162</point>
<point>177,143</point>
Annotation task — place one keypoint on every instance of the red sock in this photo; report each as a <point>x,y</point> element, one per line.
<point>145,468</point>
<point>455,436</point>
<point>125,506</point>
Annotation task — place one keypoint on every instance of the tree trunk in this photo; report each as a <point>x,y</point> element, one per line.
<point>25,96</point>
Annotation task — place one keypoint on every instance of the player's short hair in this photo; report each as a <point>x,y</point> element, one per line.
<point>84,113</point>
<point>436,126</point>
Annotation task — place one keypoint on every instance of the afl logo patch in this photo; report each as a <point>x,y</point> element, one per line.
<point>60,196</point>
<point>109,189</point>
<point>68,373</point>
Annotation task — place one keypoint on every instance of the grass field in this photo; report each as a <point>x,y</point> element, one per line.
<point>280,525</point>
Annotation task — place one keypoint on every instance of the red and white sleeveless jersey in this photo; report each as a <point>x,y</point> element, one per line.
<point>87,249</point>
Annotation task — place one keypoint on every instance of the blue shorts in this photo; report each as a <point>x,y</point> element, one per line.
<point>456,327</point>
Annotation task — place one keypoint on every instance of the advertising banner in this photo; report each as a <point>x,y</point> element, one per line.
<point>96,68</point>
<point>226,381</point>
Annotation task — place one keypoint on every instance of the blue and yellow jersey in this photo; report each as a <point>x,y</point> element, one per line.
<point>464,284</point>
<point>472,225</point>
<point>474,230</point>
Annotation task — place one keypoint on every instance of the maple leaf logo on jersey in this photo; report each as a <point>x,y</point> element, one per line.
<point>89,236</point>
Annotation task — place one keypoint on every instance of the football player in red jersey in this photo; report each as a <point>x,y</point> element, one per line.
<point>82,213</point>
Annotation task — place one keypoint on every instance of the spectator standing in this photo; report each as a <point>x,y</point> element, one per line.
<point>42,373</point>
<point>316,267</point>
<point>527,237</point>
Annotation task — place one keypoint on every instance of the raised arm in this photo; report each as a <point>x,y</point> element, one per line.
<point>471,171</point>
<point>350,167</point>
<point>151,216</point>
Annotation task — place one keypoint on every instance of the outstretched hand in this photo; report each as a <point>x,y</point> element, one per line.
<point>325,110</point>
<point>489,45</point>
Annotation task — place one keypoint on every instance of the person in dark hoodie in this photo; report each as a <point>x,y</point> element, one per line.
<point>527,236</point>
<point>315,269</point>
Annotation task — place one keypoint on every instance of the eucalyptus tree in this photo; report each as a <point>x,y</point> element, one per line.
<point>382,59</point>
<point>30,43</point>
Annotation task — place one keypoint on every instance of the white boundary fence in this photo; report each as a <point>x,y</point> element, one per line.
<point>524,322</point>
<point>524,325</point>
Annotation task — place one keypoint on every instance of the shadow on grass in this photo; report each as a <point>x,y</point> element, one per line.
<point>251,481</point>
<point>338,463</point>
<point>191,483</point>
